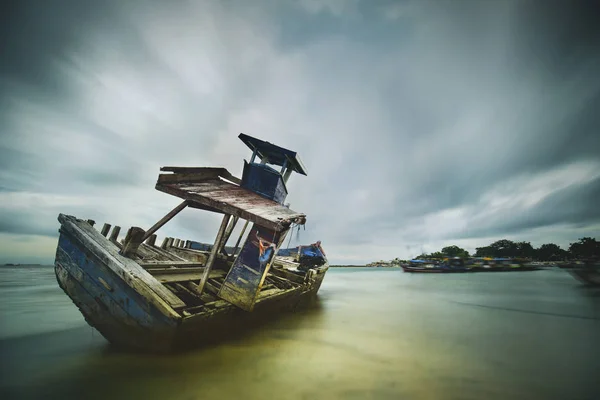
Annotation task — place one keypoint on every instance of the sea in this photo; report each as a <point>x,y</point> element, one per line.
<point>374,333</point>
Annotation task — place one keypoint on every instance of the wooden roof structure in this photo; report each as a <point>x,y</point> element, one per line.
<point>216,190</point>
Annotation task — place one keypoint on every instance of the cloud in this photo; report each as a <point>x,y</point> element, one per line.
<point>421,124</point>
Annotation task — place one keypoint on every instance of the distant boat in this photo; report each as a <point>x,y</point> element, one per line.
<point>434,266</point>
<point>159,298</point>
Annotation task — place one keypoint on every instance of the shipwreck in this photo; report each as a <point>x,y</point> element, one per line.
<point>143,296</point>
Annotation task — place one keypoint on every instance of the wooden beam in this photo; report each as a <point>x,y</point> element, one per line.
<point>194,173</point>
<point>213,253</point>
<point>228,232</point>
<point>105,229</point>
<point>170,242</point>
<point>237,244</point>
<point>165,219</point>
<point>176,243</point>
<point>136,237</point>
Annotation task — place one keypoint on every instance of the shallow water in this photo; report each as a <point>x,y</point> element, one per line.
<point>373,334</point>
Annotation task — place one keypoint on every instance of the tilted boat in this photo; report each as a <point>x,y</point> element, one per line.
<point>160,298</point>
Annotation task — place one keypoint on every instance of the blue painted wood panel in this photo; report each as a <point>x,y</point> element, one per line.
<point>244,280</point>
<point>118,298</point>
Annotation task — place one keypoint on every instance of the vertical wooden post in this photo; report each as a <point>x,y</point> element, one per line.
<point>105,229</point>
<point>164,243</point>
<point>228,232</point>
<point>151,240</point>
<point>127,236</point>
<point>176,244</point>
<point>114,235</point>
<point>170,242</point>
<point>188,244</point>
<point>237,244</point>
<point>213,253</point>
<point>136,234</point>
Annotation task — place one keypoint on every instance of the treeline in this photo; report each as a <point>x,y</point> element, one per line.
<point>585,247</point>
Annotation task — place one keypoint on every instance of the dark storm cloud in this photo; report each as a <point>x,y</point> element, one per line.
<point>416,119</point>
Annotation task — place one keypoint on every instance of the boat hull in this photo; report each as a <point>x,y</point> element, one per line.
<point>131,316</point>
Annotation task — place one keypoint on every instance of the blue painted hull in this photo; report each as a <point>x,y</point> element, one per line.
<point>108,303</point>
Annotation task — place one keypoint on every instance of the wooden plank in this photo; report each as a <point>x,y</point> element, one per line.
<point>164,243</point>
<point>201,173</point>
<point>184,277</point>
<point>165,219</point>
<point>176,243</point>
<point>133,274</point>
<point>237,201</point>
<point>151,264</point>
<point>213,253</point>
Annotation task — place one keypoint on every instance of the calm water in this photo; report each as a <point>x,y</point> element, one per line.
<point>375,334</point>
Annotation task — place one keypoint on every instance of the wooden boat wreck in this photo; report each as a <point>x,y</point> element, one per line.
<point>142,296</point>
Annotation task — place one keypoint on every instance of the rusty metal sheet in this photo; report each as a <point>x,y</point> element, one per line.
<point>217,195</point>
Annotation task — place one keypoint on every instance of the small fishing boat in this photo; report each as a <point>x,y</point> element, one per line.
<point>142,296</point>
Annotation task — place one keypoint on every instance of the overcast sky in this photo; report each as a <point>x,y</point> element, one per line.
<point>421,124</point>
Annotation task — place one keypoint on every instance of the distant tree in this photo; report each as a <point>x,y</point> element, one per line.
<point>455,251</point>
<point>486,251</point>
<point>586,247</point>
<point>524,250</point>
<point>551,252</point>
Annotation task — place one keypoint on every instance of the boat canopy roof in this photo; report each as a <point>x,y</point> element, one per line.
<point>212,189</point>
<point>274,154</point>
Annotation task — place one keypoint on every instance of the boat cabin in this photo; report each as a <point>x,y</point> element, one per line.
<point>259,175</point>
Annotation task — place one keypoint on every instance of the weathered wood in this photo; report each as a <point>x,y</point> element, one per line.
<point>188,244</point>
<point>237,201</point>
<point>151,240</point>
<point>91,222</point>
<point>134,275</point>
<point>176,243</point>
<point>164,243</point>
<point>136,237</point>
<point>237,244</point>
<point>150,264</point>
<point>105,229</point>
<point>170,242</point>
<point>127,236</point>
<point>183,276</point>
<point>213,253</point>
<point>282,273</point>
<point>114,235</point>
<point>230,228</point>
<point>165,219</point>
<point>192,174</point>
